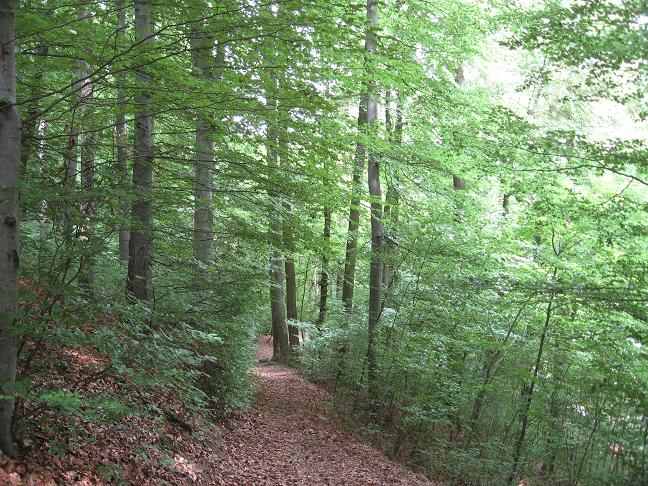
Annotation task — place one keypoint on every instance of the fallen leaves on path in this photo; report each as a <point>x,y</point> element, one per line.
<point>289,438</point>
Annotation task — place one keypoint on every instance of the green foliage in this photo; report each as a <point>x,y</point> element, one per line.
<point>111,473</point>
<point>512,339</point>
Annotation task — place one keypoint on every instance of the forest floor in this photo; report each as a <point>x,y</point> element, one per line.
<point>287,437</point>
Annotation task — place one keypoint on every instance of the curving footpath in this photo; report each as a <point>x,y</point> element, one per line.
<point>289,438</point>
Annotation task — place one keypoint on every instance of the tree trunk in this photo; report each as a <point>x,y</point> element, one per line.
<point>291,280</point>
<point>487,377</point>
<point>87,233</point>
<point>33,135</point>
<point>30,136</point>
<point>120,137</point>
<point>70,170</point>
<point>141,238</point>
<point>291,301</point>
<point>324,275</point>
<point>373,179</point>
<point>9,227</point>
<point>457,182</point>
<point>281,344</point>
<point>88,146</point>
<point>527,392</point>
<point>390,215</point>
<point>203,234</point>
<point>348,277</point>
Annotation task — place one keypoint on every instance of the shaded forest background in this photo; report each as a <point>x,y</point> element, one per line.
<point>438,208</point>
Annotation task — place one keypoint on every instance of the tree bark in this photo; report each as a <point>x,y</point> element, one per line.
<point>351,254</point>
<point>281,344</point>
<point>390,214</point>
<point>141,238</point>
<point>120,137</point>
<point>291,301</point>
<point>506,201</point>
<point>10,140</point>
<point>324,275</point>
<point>88,147</point>
<point>339,279</point>
<point>203,235</point>
<point>457,182</point>
<point>30,126</point>
<point>70,170</point>
<point>377,233</point>
<point>291,280</point>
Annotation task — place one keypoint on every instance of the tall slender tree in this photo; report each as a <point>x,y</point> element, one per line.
<point>88,148</point>
<point>9,226</point>
<point>291,278</point>
<point>392,198</point>
<point>71,162</point>
<point>120,139</point>
<point>351,253</point>
<point>457,182</point>
<point>280,333</point>
<point>375,193</point>
<point>202,47</point>
<point>324,274</point>
<point>281,343</point>
<point>141,239</point>
<point>529,387</point>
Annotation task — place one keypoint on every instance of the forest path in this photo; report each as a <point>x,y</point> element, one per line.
<point>289,438</point>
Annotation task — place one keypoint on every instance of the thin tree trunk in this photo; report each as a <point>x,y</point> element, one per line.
<point>390,215</point>
<point>281,344</point>
<point>30,136</point>
<point>280,223</point>
<point>457,182</point>
<point>488,373</point>
<point>339,279</point>
<point>87,233</point>
<point>324,275</point>
<point>87,142</point>
<point>548,467</point>
<point>291,279</point>
<point>528,391</point>
<point>389,198</point>
<point>459,76</point>
<point>203,234</point>
<point>120,137</point>
<point>506,199</point>
<point>70,170</point>
<point>141,238</point>
<point>10,140</point>
<point>373,179</point>
<point>33,136</point>
<point>351,254</point>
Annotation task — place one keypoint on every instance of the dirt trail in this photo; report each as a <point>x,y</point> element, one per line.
<point>289,438</point>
